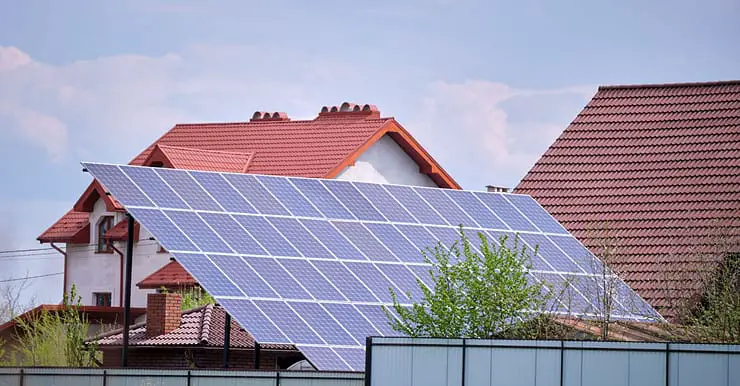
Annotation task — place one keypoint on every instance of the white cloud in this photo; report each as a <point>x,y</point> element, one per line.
<point>490,133</point>
<point>12,58</point>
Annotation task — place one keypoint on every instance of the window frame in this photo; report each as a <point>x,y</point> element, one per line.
<point>105,296</point>
<point>103,245</point>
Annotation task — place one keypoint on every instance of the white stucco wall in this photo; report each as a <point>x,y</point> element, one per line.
<point>385,162</point>
<point>101,272</point>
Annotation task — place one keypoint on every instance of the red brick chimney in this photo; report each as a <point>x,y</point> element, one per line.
<point>163,313</point>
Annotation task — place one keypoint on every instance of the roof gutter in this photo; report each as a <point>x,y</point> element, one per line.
<point>120,284</point>
<point>64,289</point>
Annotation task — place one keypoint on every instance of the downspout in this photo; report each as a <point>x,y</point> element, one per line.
<point>64,290</point>
<point>120,284</point>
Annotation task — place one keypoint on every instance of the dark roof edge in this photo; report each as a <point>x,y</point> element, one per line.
<point>662,85</point>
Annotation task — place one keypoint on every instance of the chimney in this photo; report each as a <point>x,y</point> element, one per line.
<point>497,189</point>
<point>163,313</point>
<point>266,116</point>
<point>350,110</point>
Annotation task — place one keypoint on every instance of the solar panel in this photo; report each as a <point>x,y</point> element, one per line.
<point>309,262</point>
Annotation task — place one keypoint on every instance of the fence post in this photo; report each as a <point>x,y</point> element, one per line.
<point>21,378</point>
<point>105,378</point>
<point>188,377</point>
<point>277,378</point>
<point>667,364</point>
<point>562,363</point>
<point>464,350</point>
<point>368,359</point>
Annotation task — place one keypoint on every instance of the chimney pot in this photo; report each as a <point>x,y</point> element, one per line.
<point>163,313</point>
<point>496,189</point>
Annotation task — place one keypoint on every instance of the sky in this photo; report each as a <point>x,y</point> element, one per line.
<point>484,86</point>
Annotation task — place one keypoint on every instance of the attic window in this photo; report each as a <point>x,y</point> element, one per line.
<point>104,225</point>
<point>157,164</point>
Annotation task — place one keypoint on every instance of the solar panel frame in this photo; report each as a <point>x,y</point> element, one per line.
<point>360,290</point>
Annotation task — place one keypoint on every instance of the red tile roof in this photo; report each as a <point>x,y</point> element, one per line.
<point>320,148</point>
<point>172,276</point>
<point>199,159</point>
<point>119,232</point>
<point>659,165</point>
<point>94,314</point>
<point>73,227</point>
<point>203,326</point>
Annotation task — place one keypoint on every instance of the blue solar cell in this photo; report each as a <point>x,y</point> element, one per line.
<point>475,209</point>
<point>514,242</point>
<point>536,214</point>
<point>244,276</point>
<point>448,236</point>
<point>353,200</point>
<point>446,207</point>
<point>352,320</point>
<point>116,181</point>
<point>273,273</point>
<point>208,275</point>
<point>256,194</point>
<point>255,322</point>
<point>267,236</point>
<point>343,279</point>
<point>549,252</point>
<point>394,240</point>
<point>578,253</point>
<point>321,322</point>
<point>423,272</point>
<point>364,240</point>
<point>301,238</point>
<point>311,279</point>
<point>384,202</point>
<point>333,240</point>
<point>289,196</point>
<point>223,192</point>
<point>631,303</point>
<point>324,358</point>
<point>322,198</point>
<point>563,291</point>
<point>418,235</point>
<point>404,280</point>
<point>415,204</point>
<point>163,229</point>
<point>354,356</point>
<point>156,189</point>
<point>374,280</point>
<point>378,317</point>
<point>292,325</point>
<point>198,231</point>
<point>511,240</point>
<point>188,189</point>
<point>498,204</point>
<point>233,234</point>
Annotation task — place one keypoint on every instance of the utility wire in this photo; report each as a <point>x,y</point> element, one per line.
<point>31,277</point>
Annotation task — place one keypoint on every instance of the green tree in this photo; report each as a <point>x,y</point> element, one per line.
<point>195,297</point>
<point>474,295</point>
<point>55,338</point>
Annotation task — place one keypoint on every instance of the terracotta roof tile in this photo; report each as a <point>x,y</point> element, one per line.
<point>171,275</point>
<point>661,165</point>
<point>203,326</point>
<point>309,148</point>
<point>70,228</point>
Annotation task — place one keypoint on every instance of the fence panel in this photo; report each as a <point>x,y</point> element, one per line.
<point>405,361</point>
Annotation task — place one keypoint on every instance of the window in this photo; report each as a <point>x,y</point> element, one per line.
<point>102,299</point>
<point>104,225</point>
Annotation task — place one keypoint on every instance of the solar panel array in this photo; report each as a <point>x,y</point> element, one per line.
<point>309,262</point>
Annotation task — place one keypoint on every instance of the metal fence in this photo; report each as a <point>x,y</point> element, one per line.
<point>10,376</point>
<point>458,362</point>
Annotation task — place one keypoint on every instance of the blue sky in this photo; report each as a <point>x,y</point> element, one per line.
<point>485,86</point>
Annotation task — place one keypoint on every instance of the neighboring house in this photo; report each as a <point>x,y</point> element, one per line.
<point>98,318</point>
<point>345,142</point>
<point>194,339</point>
<point>652,171</point>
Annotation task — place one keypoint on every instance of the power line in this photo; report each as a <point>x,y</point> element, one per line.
<point>31,277</point>
<point>27,250</point>
<point>52,252</point>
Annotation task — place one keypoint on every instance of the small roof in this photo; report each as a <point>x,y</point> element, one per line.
<point>320,148</point>
<point>203,326</point>
<point>94,314</point>
<point>659,167</point>
<point>172,275</point>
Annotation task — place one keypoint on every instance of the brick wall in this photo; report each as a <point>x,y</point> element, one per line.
<point>183,358</point>
<point>163,313</point>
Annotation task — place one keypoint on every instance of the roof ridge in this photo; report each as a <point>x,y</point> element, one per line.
<point>205,323</point>
<point>667,85</point>
<point>297,121</point>
<point>247,153</point>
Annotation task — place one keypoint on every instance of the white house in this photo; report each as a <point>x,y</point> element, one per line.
<point>349,142</point>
